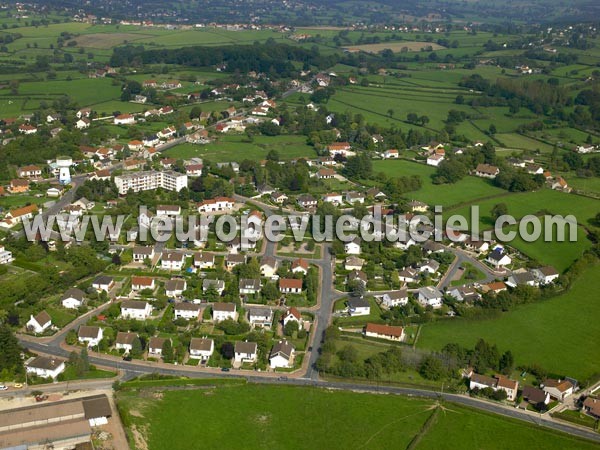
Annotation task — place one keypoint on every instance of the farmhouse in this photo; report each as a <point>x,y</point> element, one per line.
<point>223,311</point>
<point>487,171</point>
<point>201,348</point>
<point>388,332</point>
<point>45,367</point>
<point>245,352</point>
<point>39,323</point>
<point>281,355</point>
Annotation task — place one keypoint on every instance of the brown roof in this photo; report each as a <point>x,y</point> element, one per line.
<point>96,407</point>
<point>300,262</point>
<point>283,348</point>
<point>290,283</point>
<point>222,306</point>
<point>293,312</point>
<point>172,256</point>
<point>507,383</point>
<point>125,338</point>
<point>496,286</point>
<point>533,394</point>
<point>386,330</point>
<point>245,347</point>
<point>43,318</point>
<point>201,344</point>
<point>88,332</point>
<point>487,169</point>
<point>593,406</point>
<point>561,385</point>
<point>43,362</point>
<point>19,183</point>
<point>156,342</point>
<point>186,306</point>
<point>134,304</point>
<point>142,281</point>
<point>484,379</point>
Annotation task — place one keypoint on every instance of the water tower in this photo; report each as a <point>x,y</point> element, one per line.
<point>63,164</point>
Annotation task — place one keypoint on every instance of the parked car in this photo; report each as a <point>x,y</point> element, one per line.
<point>224,369</point>
<point>3,388</point>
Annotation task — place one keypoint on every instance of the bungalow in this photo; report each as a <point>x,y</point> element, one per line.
<point>217,285</point>
<point>18,186</point>
<point>355,197</point>
<point>558,389</point>
<point>234,259</point>
<point>325,174</point>
<point>224,311</point>
<point>430,296</point>
<point>306,201</point>
<point>29,172</point>
<point>39,323</point>
<point>172,260</point>
<point>245,352</point>
<point>90,335</point>
<point>140,253</point>
<point>535,396</point>
<point>201,348</point>
<point>124,119</point>
<point>168,210</point>
<point>133,309</point>
<point>204,260</point>
<point>494,287</point>
<point>156,346</point>
<point>268,266</point>
<point>408,275</point>
<point>498,259</point>
<point>141,283</point>
<point>216,204</point>
<point>463,293</point>
<point>358,306</point>
<point>476,245</point>
<point>73,298</point>
<point>282,355</point>
<point>187,311</point>
<point>391,333</point>
<point>278,197</point>
<point>292,314</point>
<point>376,194</point>
<point>335,198</point>
<point>262,317</point>
<point>395,298</point>
<point>592,406</point>
<point>357,276</point>
<point>103,283</point>
<point>290,286</point>
<point>391,154</point>
<point>352,247</point>
<point>15,216</point>
<point>430,266</point>
<point>124,341</point>
<point>27,129</point>
<point>435,160</point>
<point>521,279</point>
<point>249,286</point>
<point>546,274</point>
<point>353,263</point>
<point>486,171</point>
<point>300,265</point>
<point>45,367</point>
<point>175,287</point>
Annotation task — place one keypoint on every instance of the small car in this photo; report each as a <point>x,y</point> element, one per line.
<point>3,388</point>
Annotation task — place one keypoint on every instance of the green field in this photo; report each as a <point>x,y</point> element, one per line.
<point>465,191</point>
<point>560,334</point>
<point>270,417</point>
<point>236,148</point>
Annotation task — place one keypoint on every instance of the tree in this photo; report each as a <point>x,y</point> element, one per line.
<point>431,368</point>
<point>290,328</point>
<point>11,363</point>
<point>136,348</point>
<point>500,209</point>
<point>390,112</point>
<point>84,360</point>
<point>492,128</point>
<point>167,351</point>
<point>507,362</point>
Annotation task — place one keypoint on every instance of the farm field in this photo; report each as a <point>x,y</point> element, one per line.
<point>547,333</point>
<point>235,148</point>
<point>359,420</point>
<point>412,46</point>
<point>465,191</point>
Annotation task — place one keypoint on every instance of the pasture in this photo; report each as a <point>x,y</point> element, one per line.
<point>304,417</point>
<point>410,46</point>
<point>560,334</point>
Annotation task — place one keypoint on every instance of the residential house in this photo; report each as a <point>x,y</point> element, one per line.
<point>325,174</point>
<point>558,389</point>
<point>292,314</point>
<point>201,348</point>
<point>15,216</point>
<point>408,275</point>
<point>282,355</point>
<point>156,346</point>
<point>353,263</point>
<point>45,367</point>
<point>249,286</point>
<point>306,201</point>
<point>391,333</point>
<point>168,210</point>
<point>172,260</point>
<point>535,396</point>
<point>27,129</point>
<point>245,352</point>
<point>141,283</point>
<point>434,160</point>
<point>194,170</point>
<point>494,287</point>
<point>103,283</point>
<point>486,171</point>
<point>290,286</point>
<point>498,259</point>
<point>498,382</point>
<point>216,204</point>
<point>357,276</point>
<point>175,287</point>
<point>546,274</point>
<point>430,296</point>
<point>90,335</point>
<point>476,245</point>
<point>521,279</point>
<point>463,293</point>
<point>278,197</point>
<point>430,266</point>
<point>29,172</point>
<point>395,298</point>
<point>268,266</point>
<point>234,259</point>
<point>18,186</point>
<point>262,317</point>
<point>140,253</point>
<point>124,341</point>
<point>358,306</point>
<point>39,323</point>
<point>591,406</point>
<point>124,119</point>
<point>187,311</point>
<point>133,309</point>
<point>391,154</point>
<point>352,247</point>
<point>73,298</point>
<point>340,148</point>
<point>224,311</point>
<point>355,197</point>
<point>300,265</point>
<point>204,260</point>
<point>217,285</point>
<point>333,197</point>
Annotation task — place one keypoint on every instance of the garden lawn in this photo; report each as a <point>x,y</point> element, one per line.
<point>561,334</point>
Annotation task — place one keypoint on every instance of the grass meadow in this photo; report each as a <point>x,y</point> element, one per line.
<point>266,417</point>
